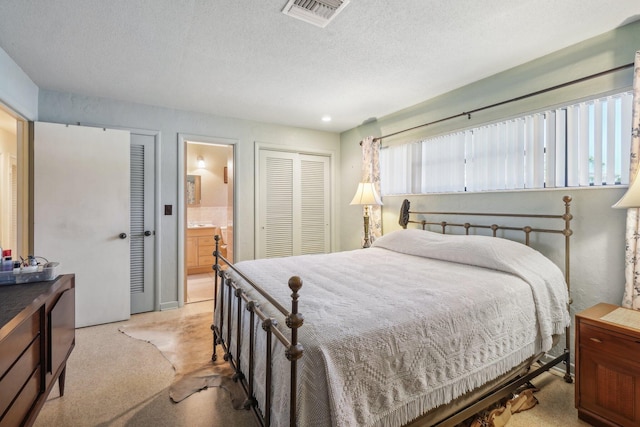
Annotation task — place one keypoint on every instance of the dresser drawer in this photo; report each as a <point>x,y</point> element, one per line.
<point>206,241</point>
<point>206,261</point>
<point>24,401</point>
<point>205,251</point>
<point>19,339</point>
<point>601,340</point>
<point>18,374</point>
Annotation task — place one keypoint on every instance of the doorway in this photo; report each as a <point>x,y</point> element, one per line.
<point>14,184</point>
<point>209,211</point>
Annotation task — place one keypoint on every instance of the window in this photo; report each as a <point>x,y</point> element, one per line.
<point>582,144</point>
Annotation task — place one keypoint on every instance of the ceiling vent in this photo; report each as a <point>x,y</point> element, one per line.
<point>316,12</point>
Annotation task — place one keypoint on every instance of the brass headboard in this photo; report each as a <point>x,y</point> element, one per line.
<point>421,219</point>
<point>406,215</point>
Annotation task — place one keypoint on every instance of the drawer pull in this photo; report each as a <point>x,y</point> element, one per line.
<point>596,340</point>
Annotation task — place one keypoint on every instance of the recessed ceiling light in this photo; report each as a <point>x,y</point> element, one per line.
<point>326,118</point>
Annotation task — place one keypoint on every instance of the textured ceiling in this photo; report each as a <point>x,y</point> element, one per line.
<point>246,59</point>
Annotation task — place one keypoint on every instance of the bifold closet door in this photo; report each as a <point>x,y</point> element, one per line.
<point>293,214</point>
<point>81,214</point>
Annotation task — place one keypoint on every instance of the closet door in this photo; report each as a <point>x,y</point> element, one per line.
<point>293,213</point>
<point>142,231</point>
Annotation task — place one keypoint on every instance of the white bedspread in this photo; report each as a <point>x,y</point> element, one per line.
<point>407,325</point>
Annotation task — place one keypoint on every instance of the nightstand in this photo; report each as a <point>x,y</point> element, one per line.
<point>608,366</point>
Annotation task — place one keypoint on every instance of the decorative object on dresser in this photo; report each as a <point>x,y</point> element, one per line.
<point>608,366</point>
<point>37,334</point>
<point>358,359</point>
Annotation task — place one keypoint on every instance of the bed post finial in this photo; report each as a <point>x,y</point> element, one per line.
<point>404,213</point>
<point>295,319</point>
<point>294,352</point>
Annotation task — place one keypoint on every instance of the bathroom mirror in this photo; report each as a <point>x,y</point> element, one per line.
<point>193,190</point>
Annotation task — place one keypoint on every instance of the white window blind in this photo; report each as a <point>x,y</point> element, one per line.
<point>443,164</point>
<point>582,144</point>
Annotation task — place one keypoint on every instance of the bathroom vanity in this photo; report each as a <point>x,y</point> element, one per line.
<point>200,247</point>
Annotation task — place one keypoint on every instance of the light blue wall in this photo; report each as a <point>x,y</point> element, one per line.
<point>597,271</point>
<point>17,91</point>
<point>70,108</point>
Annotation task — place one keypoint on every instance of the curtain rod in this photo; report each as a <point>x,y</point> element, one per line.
<point>468,113</point>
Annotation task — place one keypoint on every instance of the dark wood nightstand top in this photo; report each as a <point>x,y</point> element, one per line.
<point>594,315</point>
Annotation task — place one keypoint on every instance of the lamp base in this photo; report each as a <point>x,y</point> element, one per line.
<point>367,240</point>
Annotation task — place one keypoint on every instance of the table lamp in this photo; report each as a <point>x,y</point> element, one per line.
<point>631,198</point>
<point>366,195</point>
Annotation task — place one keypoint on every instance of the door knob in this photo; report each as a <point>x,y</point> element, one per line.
<point>147,233</point>
<point>123,235</point>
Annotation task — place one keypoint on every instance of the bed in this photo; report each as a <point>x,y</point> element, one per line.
<point>423,328</point>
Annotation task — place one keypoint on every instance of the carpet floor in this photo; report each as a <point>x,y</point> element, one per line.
<point>115,380</point>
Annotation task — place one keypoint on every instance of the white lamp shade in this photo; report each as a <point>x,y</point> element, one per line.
<point>631,198</point>
<point>366,194</point>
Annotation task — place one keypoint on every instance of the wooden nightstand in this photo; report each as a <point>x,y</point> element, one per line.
<point>608,366</point>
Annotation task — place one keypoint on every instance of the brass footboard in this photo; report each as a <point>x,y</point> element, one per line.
<point>223,337</point>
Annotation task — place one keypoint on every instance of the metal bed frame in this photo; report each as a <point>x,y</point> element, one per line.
<point>225,290</point>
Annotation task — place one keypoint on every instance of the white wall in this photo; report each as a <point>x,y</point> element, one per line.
<point>214,190</point>
<point>70,108</point>
<point>597,270</point>
<point>17,90</point>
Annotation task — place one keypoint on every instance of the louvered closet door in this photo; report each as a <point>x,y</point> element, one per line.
<point>294,204</point>
<point>142,232</point>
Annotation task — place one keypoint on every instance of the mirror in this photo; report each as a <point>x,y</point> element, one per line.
<point>193,190</point>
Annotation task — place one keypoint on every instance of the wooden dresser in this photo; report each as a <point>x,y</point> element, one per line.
<point>608,366</point>
<point>37,334</point>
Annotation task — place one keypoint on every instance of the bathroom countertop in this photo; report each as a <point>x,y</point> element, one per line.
<point>202,226</point>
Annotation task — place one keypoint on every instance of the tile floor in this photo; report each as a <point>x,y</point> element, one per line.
<point>200,287</point>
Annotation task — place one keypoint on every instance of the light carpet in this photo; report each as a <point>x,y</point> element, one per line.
<point>187,344</point>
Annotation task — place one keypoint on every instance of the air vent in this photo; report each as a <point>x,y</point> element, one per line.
<point>316,12</point>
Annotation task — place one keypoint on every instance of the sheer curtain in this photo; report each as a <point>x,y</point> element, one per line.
<point>631,296</point>
<point>371,173</point>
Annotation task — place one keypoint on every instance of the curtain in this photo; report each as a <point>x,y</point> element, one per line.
<point>371,173</point>
<point>631,296</point>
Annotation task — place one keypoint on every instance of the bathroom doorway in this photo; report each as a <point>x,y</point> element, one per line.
<point>14,184</point>
<point>209,202</point>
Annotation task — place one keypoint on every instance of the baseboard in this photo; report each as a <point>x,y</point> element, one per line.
<point>169,305</point>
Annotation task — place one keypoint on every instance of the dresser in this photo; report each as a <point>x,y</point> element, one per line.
<point>37,334</point>
<point>608,366</point>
